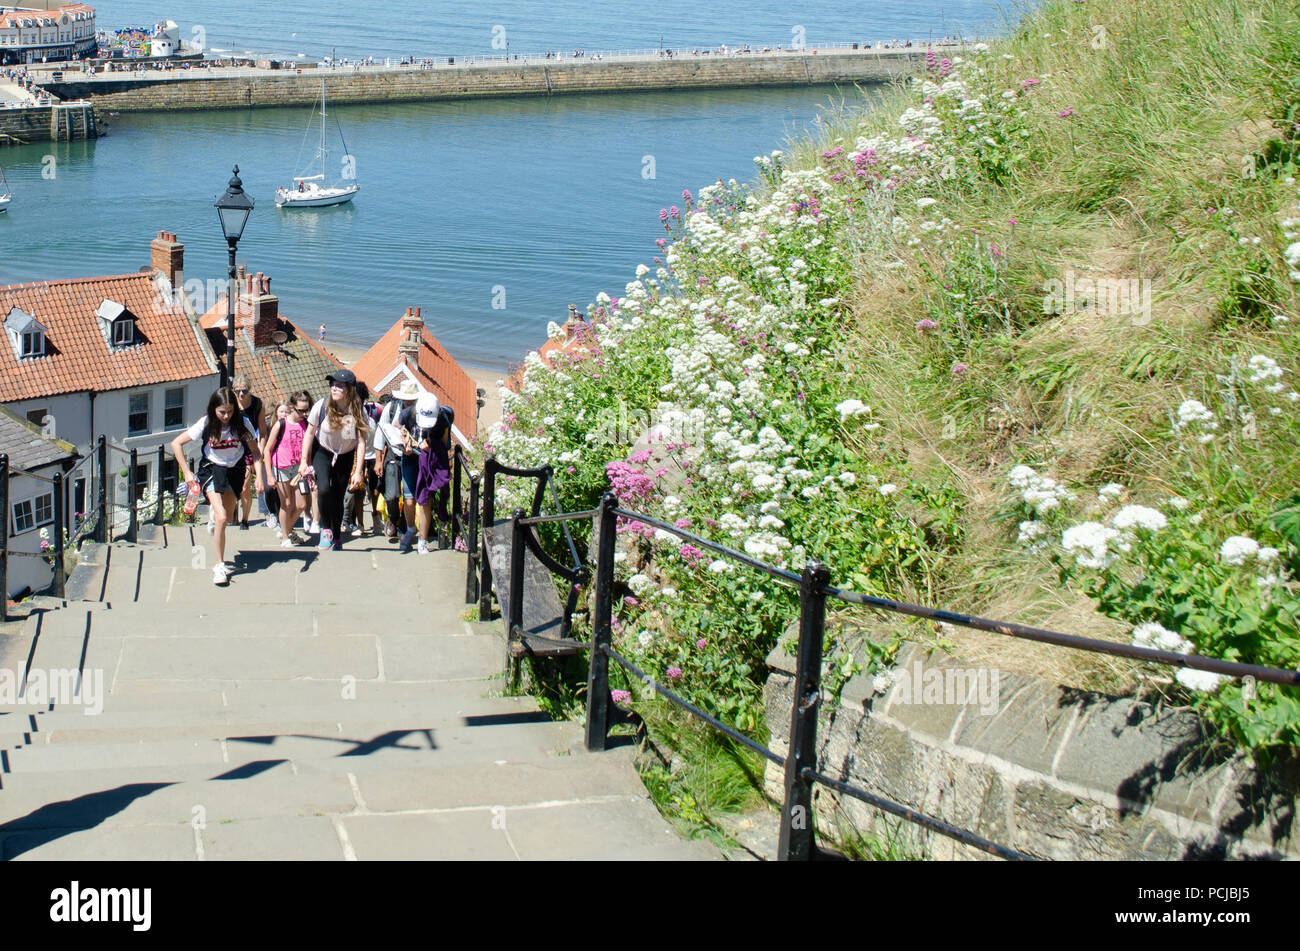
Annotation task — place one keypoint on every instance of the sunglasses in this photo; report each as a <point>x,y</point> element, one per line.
<point>301,410</point>
<point>240,392</point>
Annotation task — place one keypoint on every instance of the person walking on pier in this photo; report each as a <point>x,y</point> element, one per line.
<point>335,427</point>
<point>228,439</point>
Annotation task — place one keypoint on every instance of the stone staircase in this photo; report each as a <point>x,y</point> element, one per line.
<point>324,705</point>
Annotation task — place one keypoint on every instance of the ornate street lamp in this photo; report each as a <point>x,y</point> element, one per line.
<point>233,207</point>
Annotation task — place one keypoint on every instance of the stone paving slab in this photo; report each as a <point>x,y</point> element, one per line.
<point>82,756</point>
<point>504,784</point>
<point>266,658</point>
<point>448,836</point>
<point>596,830</point>
<point>275,839</point>
<point>420,657</point>
<point>169,842</point>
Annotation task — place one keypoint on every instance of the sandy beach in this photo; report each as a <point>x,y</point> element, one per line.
<point>484,378</point>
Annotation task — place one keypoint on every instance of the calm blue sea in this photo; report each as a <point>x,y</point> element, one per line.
<point>533,203</point>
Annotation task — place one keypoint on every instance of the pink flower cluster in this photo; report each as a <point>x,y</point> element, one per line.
<point>620,696</point>
<point>629,482</point>
<point>691,555</point>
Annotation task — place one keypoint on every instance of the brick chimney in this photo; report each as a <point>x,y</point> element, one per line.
<point>167,255</point>
<point>264,310</point>
<point>409,347</point>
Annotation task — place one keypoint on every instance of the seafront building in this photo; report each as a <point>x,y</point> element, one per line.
<point>46,30</point>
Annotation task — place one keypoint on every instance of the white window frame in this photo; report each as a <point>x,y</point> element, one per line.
<point>123,327</point>
<point>148,412</point>
<point>167,405</point>
<point>33,344</point>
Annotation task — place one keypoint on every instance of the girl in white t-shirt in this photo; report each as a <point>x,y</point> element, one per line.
<point>227,438</point>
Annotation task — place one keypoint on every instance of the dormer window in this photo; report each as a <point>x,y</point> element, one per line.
<point>123,332</point>
<point>117,324</point>
<point>26,334</point>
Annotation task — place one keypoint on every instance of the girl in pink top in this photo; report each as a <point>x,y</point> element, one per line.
<point>286,455</point>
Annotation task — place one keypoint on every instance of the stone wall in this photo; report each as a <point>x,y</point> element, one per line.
<point>37,124</point>
<point>1053,772</point>
<point>195,90</point>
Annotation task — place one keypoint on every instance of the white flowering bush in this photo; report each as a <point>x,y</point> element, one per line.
<point>721,368</point>
<point>1185,580</point>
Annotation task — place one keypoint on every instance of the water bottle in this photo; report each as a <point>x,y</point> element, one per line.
<point>192,500</point>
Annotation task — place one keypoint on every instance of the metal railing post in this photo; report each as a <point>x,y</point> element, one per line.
<point>472,543</point>
<point>101,518</point>
<point>598,698</point>
<point>60,580</point>
<point>158,483</point>
<point>457,458</point>
<point>133,520</point>
<point>797,842</point>
<point>4,536</point>
<point>489,516</point>
<point>515,610</point>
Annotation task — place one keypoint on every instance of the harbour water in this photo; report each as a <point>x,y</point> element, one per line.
<point>493,216</point>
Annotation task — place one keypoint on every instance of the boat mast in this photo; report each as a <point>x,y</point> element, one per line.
<point>324,182</point>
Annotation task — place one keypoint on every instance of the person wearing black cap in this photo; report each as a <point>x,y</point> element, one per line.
<point>335,426</point>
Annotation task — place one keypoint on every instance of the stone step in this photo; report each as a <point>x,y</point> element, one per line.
<point>393,747</point>
<point>541,809</point>
<point>69,725</point>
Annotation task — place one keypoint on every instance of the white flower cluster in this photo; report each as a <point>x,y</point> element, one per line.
<point>1043,493</point>
<point>1155,636</point>
<point>1266,372</point>
<point>1139,516</point>
<point>1089,543</point>
<point>1194,416</point>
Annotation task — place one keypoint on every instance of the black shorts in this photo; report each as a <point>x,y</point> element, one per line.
<point>219,479</point>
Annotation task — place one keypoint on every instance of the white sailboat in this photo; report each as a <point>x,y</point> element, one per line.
<point>312,191</point>
<point>6,196</point>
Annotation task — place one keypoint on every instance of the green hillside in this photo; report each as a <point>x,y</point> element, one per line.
<point>1021,342</point>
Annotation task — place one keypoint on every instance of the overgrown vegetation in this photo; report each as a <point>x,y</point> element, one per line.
<point>1022,342</point>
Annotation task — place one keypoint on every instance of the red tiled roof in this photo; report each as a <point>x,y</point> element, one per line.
<point>11,18</point>
<point>437,372</point>
<point>77,356</point>
<point>274,372</point>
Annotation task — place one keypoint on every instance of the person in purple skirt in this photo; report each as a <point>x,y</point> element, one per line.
<point>434,473</point>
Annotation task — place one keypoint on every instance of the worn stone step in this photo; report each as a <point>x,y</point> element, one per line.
<point>395,747</point>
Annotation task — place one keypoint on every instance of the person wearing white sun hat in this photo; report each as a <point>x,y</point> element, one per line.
<point>397,460</point>
<point>434,474</point>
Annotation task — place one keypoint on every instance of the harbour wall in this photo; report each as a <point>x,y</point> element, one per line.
<point>58,122</point>
<point>240,88</point>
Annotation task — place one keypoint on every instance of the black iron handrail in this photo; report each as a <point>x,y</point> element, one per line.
<point>797,837</point>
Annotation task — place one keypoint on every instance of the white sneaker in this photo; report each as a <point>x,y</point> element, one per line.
<point>288,543</point>
<point>423,547</point>
<point>273,523</point>
<point>220,574</point>
<point>278,532</point>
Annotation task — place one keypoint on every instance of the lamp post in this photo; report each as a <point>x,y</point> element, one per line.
<point>233,207</point>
